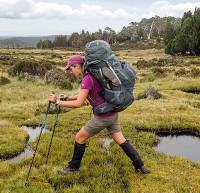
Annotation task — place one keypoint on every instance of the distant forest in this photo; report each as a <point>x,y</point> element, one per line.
<point>178,35</point>
<point>185,39</point>
<point>146,30</point>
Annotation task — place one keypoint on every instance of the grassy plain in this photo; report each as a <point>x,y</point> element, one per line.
<point>178,110</point>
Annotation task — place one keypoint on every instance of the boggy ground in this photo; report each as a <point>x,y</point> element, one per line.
<point>178,109</point>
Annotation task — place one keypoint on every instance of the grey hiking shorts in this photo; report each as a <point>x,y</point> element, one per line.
<point>96,124</point>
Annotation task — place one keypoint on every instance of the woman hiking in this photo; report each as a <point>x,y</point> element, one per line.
<point>90,89</point>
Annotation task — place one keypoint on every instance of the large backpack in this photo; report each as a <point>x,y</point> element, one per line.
<point>117,78</point>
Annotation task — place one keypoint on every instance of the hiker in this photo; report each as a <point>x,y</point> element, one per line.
<point>90,89</point>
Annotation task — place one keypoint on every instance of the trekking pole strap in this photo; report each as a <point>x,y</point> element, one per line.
<point>44,118</point>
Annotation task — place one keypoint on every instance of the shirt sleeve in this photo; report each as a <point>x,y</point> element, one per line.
<point>86,82</point>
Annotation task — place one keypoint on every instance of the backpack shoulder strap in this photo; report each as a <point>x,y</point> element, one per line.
<point>92,81</point>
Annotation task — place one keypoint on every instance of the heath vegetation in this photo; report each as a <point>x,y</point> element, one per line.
<point>168,90</point>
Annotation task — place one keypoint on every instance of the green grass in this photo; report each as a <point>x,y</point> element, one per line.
<point>102,171</point>
<point>11,144</point>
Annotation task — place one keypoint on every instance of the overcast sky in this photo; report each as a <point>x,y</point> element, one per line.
<point>49,17</point>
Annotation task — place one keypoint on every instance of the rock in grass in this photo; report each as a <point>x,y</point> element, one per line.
<point>150,93</point>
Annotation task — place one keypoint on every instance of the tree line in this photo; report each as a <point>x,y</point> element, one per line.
<point>185,39</point>
<point>77,40</point>
<point>180,35</point>
<point>128,35</point>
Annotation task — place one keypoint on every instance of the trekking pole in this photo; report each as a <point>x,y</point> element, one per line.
<point>42,127</point>
<point>62,97</point>
<point>54,127</point>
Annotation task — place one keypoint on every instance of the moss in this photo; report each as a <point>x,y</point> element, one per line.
<point>13,141</point>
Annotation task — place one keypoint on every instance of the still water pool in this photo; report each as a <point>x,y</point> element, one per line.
<point>27,152</point>
<point>185,146</point>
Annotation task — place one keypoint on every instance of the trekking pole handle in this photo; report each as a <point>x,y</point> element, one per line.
<point>62,97</point>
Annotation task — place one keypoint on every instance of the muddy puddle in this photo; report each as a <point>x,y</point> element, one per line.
<point>106,141</point>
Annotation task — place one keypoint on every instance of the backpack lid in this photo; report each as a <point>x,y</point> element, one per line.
<point>97,51</point>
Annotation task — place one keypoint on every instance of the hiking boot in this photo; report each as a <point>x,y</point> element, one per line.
<point>142,170</point>
<point>67,170</point>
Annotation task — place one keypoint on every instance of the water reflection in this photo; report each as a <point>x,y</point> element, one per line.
<point>33,132</point>
<point>27,152</point>
<point>183,145</point>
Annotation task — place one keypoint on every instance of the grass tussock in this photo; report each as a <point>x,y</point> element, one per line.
<point>13,141</point>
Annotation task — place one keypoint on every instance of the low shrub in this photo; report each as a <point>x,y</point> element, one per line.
<point>5,57</point>
<point>58,78</point>
<point>4,80</point>
<point>192,89</point>
<point>181,72</point>
<point>159,62</point>
<point>194,62</point>
<point>195,72</point>
<point>158,71</point>
<point>142,64</point>
<point>31,67</point>
<point>7,60</point>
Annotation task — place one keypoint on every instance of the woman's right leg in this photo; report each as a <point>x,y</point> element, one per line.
<point>130,151</point>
